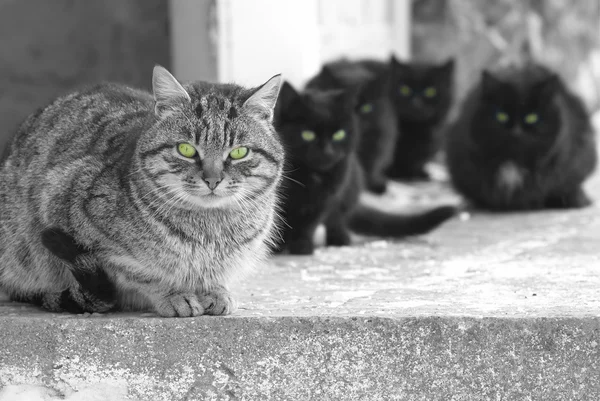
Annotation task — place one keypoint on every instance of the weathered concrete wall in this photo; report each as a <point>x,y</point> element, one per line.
<point>316,358</point>
<point>50,47</point>
<point>194,38</point>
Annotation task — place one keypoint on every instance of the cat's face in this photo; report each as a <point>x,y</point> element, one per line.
<point>212,146</point>
<point>421,92</point>
<point>517,113</point>
<point>318,127</point>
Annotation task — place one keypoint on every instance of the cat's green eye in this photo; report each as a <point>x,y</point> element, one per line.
<point>239,153</point>
<point>405,90</point>
<point>430,92</point>
<point>339,135</point>
<point>186,150</point>
<point>308,136</point>
<point>531,118</point>
<point>366,108</point>
<point>502,117</point>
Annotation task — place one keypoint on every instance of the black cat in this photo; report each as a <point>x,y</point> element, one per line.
<point>422,96</point>
<point>375,112</point>
<point>522,141</point>
<point>319,129</point>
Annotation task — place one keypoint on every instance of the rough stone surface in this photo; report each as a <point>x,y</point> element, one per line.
<point>304,358</point>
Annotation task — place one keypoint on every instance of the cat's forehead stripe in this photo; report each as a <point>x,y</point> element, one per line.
<point>214,104</point>
<point>231,135</point>
<point>212,111</point>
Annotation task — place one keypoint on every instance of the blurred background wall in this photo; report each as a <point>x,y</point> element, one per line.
<point>255,39</point>
<point>48,48</point>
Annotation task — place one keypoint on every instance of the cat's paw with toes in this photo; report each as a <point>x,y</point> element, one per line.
<point>180,305</point>
<point>218,303</point>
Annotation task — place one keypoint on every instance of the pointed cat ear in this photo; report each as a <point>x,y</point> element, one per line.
<point>399,67</point>
<point>289,103</point>
<point>399,63</point>
<point>547,87</point>
<point>168,92</point>
<point>264,99</point>
<point>287,93</point>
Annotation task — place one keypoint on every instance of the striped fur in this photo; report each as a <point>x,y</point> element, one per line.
<point>102,165</point>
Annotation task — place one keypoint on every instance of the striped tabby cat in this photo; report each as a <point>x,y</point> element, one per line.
<point>165,198</point>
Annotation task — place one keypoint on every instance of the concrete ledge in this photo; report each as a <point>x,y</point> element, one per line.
<point>287,358</point>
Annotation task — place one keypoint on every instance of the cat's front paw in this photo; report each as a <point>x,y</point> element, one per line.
<point>377,186</point>
<point>218,302</point>
<point>179,305</point>
<point>338,238</point>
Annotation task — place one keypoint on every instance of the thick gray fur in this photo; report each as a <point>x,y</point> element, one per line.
<point>102,165</point>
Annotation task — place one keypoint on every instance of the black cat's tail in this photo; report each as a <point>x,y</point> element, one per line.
<point>368,221</point>
<point>94,292</point>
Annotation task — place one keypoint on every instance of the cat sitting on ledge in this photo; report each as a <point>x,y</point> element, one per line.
<point>165,196</point>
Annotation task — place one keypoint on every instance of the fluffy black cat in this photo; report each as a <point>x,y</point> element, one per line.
<point>422,96</point>
<point>375,112</point>
<point>522,141</point>
<point>319,130</point>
